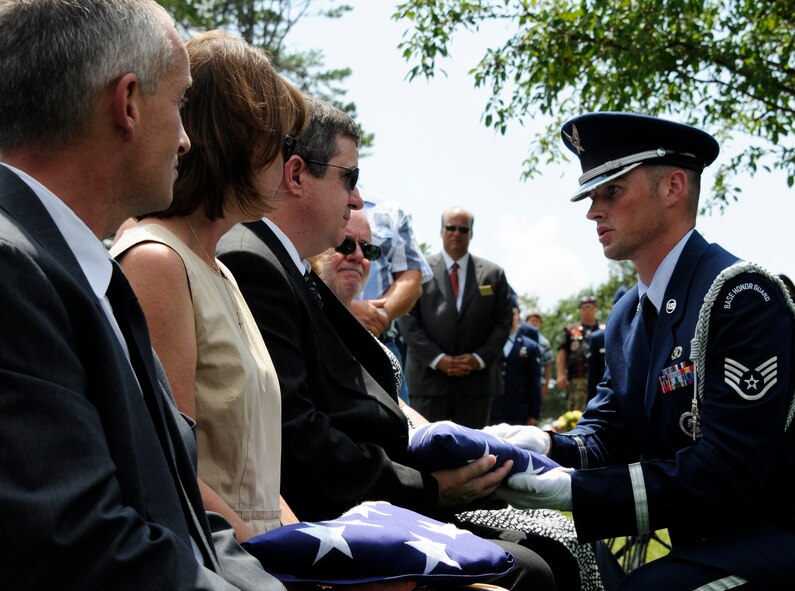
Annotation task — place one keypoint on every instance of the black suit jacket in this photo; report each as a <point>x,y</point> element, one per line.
<point>344,437</point>
<point>434,326</point>
<point>89,494</point>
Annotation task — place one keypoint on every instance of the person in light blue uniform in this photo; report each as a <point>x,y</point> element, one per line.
<point>396,278</point>
<point>690,428</point>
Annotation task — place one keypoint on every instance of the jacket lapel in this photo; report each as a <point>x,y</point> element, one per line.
<point>374,364</point>
<point>671,315</point>
<point>474,274</point>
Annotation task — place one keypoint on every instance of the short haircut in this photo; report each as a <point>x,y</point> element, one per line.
<point>237,113</point>
<point>656,172</point>
<point>58,58</point>
<point>466,212</point>
<point>319,140</point>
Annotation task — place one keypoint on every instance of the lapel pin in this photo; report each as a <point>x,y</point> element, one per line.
<point>670,306</point>
<point>677,353</point>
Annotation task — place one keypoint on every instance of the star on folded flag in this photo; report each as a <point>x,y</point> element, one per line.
<point>435,552</point>
<point>377,541</point>
<point>330,538</point>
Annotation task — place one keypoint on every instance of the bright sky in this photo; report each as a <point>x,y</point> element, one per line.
<point>432,152</point>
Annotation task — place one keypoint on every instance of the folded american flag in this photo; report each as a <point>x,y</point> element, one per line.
<point>445,444</point>
<point>377,541</point>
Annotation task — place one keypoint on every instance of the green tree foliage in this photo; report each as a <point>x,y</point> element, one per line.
<point>567,311</point>
<point>726,65</point>
<point>267,24</point>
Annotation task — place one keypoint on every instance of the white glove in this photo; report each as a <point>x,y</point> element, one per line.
<point>524,436</point>
<point>550,490</point>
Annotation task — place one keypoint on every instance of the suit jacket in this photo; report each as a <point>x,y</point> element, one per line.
<point>89,468</point>
<point>344,436</point>
<point>725,497</point>
<point>521,376</point>
<point>434,326</point>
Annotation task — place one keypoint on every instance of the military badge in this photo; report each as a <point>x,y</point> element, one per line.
<point>677,376</point>
<point>523,352</point>
<point>574,140</point>
<point>751,383</point>
<point>486,290</point>
<point>690,424</point>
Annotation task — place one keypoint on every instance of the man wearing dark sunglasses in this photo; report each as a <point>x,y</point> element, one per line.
<point>456,331</point>
<point>344,436</point>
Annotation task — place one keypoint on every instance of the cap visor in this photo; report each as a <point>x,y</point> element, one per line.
<point>583,191</point>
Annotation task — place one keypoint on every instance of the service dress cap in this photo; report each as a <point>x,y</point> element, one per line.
<point>611,144</point>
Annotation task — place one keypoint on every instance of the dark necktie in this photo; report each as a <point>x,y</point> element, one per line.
<point>454,280</point>
<point>310,283</point>
<point>649,318</point>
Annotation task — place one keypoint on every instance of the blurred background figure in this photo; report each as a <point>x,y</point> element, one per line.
<point>519,402</point>
<point>237,115</point>
<point>573,355</point>
<point>457,329</point>
<point>396,279</point>
<point>536,320</point>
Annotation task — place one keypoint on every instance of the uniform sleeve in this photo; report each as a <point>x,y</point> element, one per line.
<point>743,455</point>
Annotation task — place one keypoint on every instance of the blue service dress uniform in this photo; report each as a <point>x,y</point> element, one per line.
<point>725,495</point>
<point>520,398</point>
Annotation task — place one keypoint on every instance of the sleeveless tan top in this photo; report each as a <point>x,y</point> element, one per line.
<point>238,402</point>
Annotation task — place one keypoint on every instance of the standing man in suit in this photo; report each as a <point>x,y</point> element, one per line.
<point>456,330</point>
<point>97,482</point>
<point>345,436</point>
<point>691,429</point>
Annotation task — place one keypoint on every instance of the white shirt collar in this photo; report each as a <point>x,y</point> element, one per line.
<point>462,262</point>
<point>288,246</point>
<point>662,276</point>
<point>91,254</point>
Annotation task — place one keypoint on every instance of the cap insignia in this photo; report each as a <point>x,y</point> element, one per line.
<point>574,139</point>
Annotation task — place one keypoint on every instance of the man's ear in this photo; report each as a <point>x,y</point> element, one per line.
<point>295,171</point>
<point>677,185</point>
<point>126,106</point>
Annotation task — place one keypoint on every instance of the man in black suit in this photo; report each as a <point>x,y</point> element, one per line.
<point>97,481</point>
<point>344,435</point>
<point>456,330</point>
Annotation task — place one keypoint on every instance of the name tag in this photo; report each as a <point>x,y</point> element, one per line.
<point>486,290</point>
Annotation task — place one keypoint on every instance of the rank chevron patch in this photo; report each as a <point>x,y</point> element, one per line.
<point>751,384</point>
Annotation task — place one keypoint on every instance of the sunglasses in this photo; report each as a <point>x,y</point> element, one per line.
<point>352,176</point>
<point>289,146</point>
<point>369,251</point>
<point>459,229</point>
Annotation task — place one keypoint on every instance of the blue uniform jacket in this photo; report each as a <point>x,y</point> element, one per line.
<point>725,497</point>
<point>521,376</point>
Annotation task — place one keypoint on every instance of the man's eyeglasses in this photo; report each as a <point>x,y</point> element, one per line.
<point>459,229</point>
<point>369,251</point>
<point>289,146</point>
<point>353,171</point>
